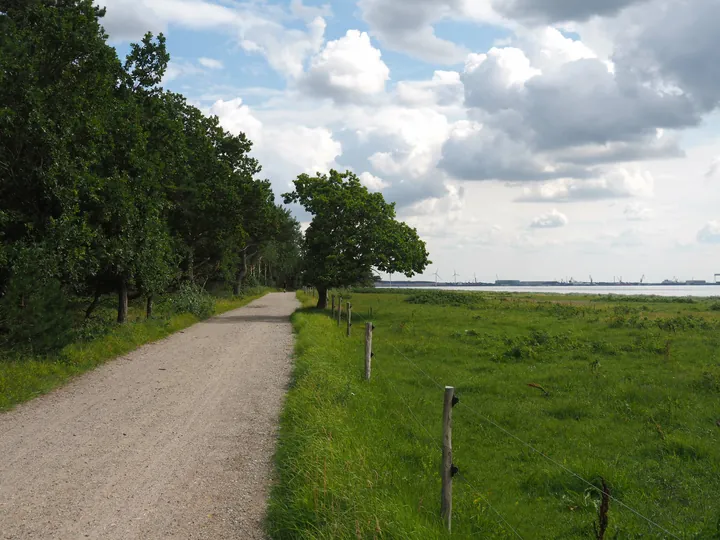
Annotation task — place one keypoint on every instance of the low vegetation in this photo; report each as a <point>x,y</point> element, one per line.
<point>25,374</point>
<point>625,391</point>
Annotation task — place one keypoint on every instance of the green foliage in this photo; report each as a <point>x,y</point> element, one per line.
<point>126,188</point>
<point>637,406</point>
<point>34,309</point>
<point>23,376</point>
<point>352,232</point>
<point>192,299</point>
<point>445,298</point>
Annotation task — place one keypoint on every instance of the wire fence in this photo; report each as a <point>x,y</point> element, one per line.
<point>434,442</point>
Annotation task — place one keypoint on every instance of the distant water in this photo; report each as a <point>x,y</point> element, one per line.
<point>632,290</point>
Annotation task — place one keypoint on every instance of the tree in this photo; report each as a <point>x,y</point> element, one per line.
<point>352,232</point>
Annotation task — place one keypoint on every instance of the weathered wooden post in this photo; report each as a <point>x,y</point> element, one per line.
<point>339,312</point>
<point>332,309</point>
<point>448,470</point>
<point>349,318</point>
<point>368,349</point>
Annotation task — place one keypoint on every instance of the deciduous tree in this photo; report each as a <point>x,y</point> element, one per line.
<point>352,232</point>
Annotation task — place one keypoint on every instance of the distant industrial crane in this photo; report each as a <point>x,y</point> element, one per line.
<point>455,275</point>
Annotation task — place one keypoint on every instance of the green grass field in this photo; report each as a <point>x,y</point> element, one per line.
<point>630,393</point>
<point>24,376</point>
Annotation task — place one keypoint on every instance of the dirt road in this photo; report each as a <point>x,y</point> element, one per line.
<point>172,441</point>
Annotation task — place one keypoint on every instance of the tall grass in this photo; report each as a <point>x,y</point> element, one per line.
<point>637,405</point>
<point>24,376</point>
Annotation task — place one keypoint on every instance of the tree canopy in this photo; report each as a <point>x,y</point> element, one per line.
<point>353,231</point>
<point>110,183</point>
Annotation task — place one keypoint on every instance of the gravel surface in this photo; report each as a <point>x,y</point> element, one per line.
<point>172,441</point>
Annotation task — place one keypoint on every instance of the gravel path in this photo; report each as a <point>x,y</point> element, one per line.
<point>172,441</point>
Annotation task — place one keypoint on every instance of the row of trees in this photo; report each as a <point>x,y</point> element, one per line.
<point>110,184</point>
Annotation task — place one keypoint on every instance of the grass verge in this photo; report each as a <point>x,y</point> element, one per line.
<point>622,390</point>
<point>24,376</point>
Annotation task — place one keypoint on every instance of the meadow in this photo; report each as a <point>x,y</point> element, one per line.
<point>25,374</point>
<point>557,394</point>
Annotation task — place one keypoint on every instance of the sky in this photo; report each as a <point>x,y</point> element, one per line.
<point>524,139</point>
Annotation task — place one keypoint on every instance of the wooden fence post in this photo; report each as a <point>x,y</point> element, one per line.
<point>332,310</point>
<point>349,318</point>
<point>368,349</point>
<point>339,313</point>
<point>448,470</point>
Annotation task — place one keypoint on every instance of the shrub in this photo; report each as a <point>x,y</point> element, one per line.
<point>35,310</point>
<point>445,298</point>
<point>193,299</point>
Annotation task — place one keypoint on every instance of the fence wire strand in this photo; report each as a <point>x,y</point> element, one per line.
<point>433,442</point>
<point>529,446</point>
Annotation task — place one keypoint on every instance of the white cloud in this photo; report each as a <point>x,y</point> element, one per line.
<point>257,27</point>
<point>210,63</point>
<point>308,13</point>
<point>406,25</point>
<point>444,89</point>
<point>286,49</point>
<point>619,184</point>
<point>636,211</point>
<point>179,69</point>
<point>373,183</point>
<point>713,168</point>
<point>236,117</point>
<point>348,69</point>
<point>551,220</point>
<point>710,233</point>
<point>496,80</point>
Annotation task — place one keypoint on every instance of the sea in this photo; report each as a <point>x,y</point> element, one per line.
<point>631,290</point>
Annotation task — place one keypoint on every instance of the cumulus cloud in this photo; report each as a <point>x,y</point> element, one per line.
<point>210,63</point>
<point>236,118</point>
<point>373,183</point>
<point>672,45</point>
<point>551,220</point>
<point>636,211</point>
<point>496,80</point>
<point>475,152</point>
<point>710,233</point>
<point>179,69</point>
<point>713,169</point>
<point>551,108</point>
<point>559,10</point>
<point>285,150</point>
<point>407,26</point>
<point>308,13</point>
<point>618,184</point>
<point>444,89</point>
<point>348,69</point>
<point>257,27</point>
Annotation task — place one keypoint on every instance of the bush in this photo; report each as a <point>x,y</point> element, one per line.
<point>35,310</point>
<point>193,299</point>
<point>445,298</point>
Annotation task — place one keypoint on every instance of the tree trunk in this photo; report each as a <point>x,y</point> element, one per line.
<point>149,306</point>
<point>122,302</point>
<point>92,306</point>
<point>240,276</point>
<point>322,297</point>
<point>191,266</point>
